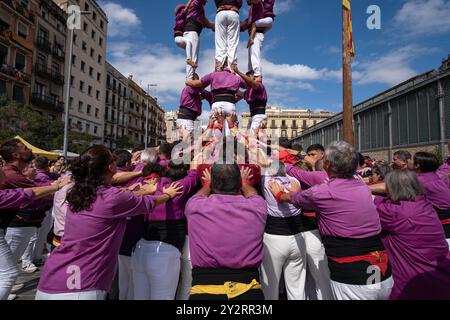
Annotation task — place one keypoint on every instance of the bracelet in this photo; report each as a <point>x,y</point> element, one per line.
<point>206,184</point>
<point>246,183</point>
<point>279,195</point>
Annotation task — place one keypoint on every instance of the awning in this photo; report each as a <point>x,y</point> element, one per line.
<point>38,152</point>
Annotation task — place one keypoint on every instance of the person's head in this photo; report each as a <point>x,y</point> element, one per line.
<point>57,166</point>
<point>286,143</point>
<point>14,151</point>
<point>29,171</point>
<point>149,156</point>
<point>226,179</point>
<point>61,159</point>
<point>176,172</point>
<point>379,172</point>
<point>123,159</point>
<point>341,160</point>
<point>41,163</point>
<point>403,185</point>
<point>165,150</point>
<point>316,151</point>
<point>401,160</point>
<point>153,170</point>
<point>425,162</point>
<point>94,168</point>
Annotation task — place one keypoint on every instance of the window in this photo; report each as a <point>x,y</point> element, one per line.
<point>95,129</point>
<point>89,108</point>
<point>70,102</point>
<point>273,124</point>
<point>74,60</point>
<point>99,76</point>
<point>92,53</point>
<point>294,133</point>
<point>91,71</point>
<point>3,88</point>
<point>88,127</point>
<point>96,112</point>
<point>294,123</point>
<point>315,122</point>
<point>72,80</point>
<point>56,67</point>
<point>20,62</point>
<point>80,125</point>
<point>75,39</point>
<point>44,15</point>
<point>22,30</point>
<point>84,46</point>
<point>94,16</point>
<point>80,106</point>
<point>97,95</point>
<point>90,90</point>
<point>83,65</point>
<point>283,133</point>
<point>93,34</point>
<point>3,55</point>
<point>40,89</point>
<point>283,123</point>
<point>81,86</point>
<point>100,59</point>
<point>85,26</point>
<point>304,124</point>
<point>100,41</point>
<point>101,24</point>
<point>86,7</point>
<point>70,123</point>
<point>18,94</point>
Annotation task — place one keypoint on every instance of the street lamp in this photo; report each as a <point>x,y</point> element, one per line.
<point>146,118</point>
<point>69,86</point>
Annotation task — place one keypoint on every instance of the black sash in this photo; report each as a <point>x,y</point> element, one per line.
<point>193,25</point>
<point>444,215</point>
<point>170,231</point>
<point>284,226</point>
<point>187,114</point>
<point>224,95</point>
<point>257,107</point>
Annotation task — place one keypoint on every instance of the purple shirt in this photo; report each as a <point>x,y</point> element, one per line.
<point>45,177</point>
<point>226,231</point>
<point>180,22</point>
<point>223,80</point>
<point>91,241</point>
<point>437,192</point>
<point>307,179</point>
<point>255,13</point>
<point>252,95</point>
<point>15,198</point>
<point>344,206</point>
<point>418,252</point>
<point>444,171</point>
<point>196,11</point>
<point>174,208</point>
<point>191,98</point>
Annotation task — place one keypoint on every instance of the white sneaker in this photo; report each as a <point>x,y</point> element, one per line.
<point>12,297</point>
<point>17,287</point>
<point>29,268</point>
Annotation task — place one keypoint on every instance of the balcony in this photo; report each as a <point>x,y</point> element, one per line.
<point>49,74</point>
<point>5,33</point>
<point>58,52</point>
<point>46,102</point>
<point>43,44</point>
<point>12,72</point>
<point>24,11</point>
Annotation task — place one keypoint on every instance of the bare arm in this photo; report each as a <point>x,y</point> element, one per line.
<point>123,177</point>
<point>194,83</point>
<point>249,81</point>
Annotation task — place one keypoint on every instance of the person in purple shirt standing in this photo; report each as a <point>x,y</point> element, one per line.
<point>225,86</point>
<point>156,259</point>
<point>191,105</point>
<point>350,227</point>
<point>43,175</point>
<point>436,190</point>
<point>83,266</point>
<point>414,240</point>
<point>226,221</point>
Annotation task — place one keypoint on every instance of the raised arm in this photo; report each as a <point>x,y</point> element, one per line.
<point>247,189</point>
<point>194,83</point>
<point>123,177</point>
<point>248,80</point>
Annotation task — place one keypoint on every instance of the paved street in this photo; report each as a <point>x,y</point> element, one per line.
<point>31,281</point>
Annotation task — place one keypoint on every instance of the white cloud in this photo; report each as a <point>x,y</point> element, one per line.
<point>122,21</point>
<point>424,17</point>
<point>283,6</point>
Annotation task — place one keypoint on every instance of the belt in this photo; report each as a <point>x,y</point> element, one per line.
<point>56,241</point>
<point>227,7</point>
<point>230,289</point>
<point>376,258</point>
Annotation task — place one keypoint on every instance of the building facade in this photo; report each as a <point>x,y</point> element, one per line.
<point>171,126</point>
<point>47,80</point>
<point>414,115</point>
<point>88,77</point>
<point>17,34</point>
<point>289,123</point>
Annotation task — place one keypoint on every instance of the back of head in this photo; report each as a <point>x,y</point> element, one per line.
<point>403,185</point>
<point>41,163</point>
<point>8,148</point>
<point>341,160</point>
<point>123,158</point>
<point>226,179</point>
<point>426,162</point>
<point>403,155</point>
<point>315,147</point>
<point>153,168</point>
<point>165,149</point>
<point>149,156</point>
<point>89,172</point>
<point>176,172</point>
<point>382,170</point>
<point>286,143</point>
<point>362,160</point>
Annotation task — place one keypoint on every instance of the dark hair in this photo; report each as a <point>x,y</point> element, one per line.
<point>362,160</point>
<point>426,161</point>
<point>315,147</point>
<point>226,178</point>
<point>153,168</point>
<point>403,185</point>
<point>122,157</point>
<point>166,149</point>
<point>137,149</point>
<point>382,170</point>
<point>403,155</point>
<point>41,163</point>
<point>61,157</point>
<point>176,172</point>
<point>285,143</point>
<point>8,148</point>
<point>88,173</point>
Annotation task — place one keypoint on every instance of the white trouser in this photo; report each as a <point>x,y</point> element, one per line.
<point>226,109</point>
<point>27,257</point>
<point>284,254</point>
<point>156,269</point>
<point>43,231</point>
<point>18,240</point>
<point>188,125</point>
<point>317,265</point>
<point>191,42</point>
<point>227,36</point>
<point>379,291</point>
<point>85,295</point>
<point>184,43</point>
<point>8,268</point>
<point>448,240</point>
<point>125,278</point>
<point>185,283</point>
<point>256,121</point>
<point>254,54</point>
<point>266,23</point>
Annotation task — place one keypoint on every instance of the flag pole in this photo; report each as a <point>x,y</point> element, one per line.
<point>349,135</point>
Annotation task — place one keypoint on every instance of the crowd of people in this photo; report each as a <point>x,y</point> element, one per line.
<point>241,219</point>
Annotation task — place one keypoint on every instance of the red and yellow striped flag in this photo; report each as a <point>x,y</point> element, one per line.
<point>346,4</point>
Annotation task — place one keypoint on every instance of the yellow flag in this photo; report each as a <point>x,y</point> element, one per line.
<point>346,4</point>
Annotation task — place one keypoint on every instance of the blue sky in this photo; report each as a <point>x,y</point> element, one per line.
<point>302,55</point>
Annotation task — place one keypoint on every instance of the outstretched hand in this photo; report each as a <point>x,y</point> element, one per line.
<point>295,186</point>
<point>275,188</point>
<point>173,190</point>
<point>206,179</point>
<point>246,174</point>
